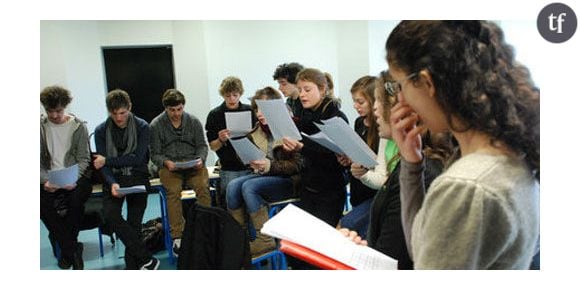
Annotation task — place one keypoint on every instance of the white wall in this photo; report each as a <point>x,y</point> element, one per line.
<point>378,31</point>
<point>528,47</point>
<point>70,56</point>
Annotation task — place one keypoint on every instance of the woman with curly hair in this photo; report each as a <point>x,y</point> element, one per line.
<point>461,77</point>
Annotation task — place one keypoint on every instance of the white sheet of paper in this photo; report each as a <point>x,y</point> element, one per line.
<point>132,189</point>
<point>278,118</point>
<point>65,176</point>
<point>296,225</point>
<point>246,150</point>
<point>349,141</point>
<point>239,123</point>
<point>323,140</point>
<point>187,164</point>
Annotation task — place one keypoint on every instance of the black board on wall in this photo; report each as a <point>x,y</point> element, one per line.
<point>143,72</point>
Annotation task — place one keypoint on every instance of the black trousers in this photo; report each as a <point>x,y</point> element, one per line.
<point>129,230</point>
<point>65,228</point>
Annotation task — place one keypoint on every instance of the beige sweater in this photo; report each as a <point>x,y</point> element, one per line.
<point>482,213</point>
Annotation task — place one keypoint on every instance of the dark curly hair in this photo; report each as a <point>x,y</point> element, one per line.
<point>288,71</point>
<point>476,78</point>
<point>53,97</point>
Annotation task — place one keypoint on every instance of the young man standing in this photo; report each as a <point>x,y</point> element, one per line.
<point>123,153</point>
<point>285,75</point>
<point>64,141</point>
<point>231,89</point>
<point>178,136</point>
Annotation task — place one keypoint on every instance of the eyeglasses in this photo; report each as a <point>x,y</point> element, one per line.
<point>394,87</point>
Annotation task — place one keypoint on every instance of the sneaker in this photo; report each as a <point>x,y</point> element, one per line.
<point>151,265</point>
<point>176,247</point>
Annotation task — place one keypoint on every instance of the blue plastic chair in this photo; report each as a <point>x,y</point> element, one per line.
<point>276,260</point>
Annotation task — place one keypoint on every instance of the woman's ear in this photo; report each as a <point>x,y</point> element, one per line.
<point>426,78</point>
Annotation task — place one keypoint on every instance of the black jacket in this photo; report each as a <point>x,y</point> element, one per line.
<point>213,240</point>
<point>322,172</point>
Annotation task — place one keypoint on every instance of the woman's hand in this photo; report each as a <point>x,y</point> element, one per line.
<point>406,132</point>
<point>291,145</point>
<point>358,170</point>
<point>260,166</point>
<point>353,236</point>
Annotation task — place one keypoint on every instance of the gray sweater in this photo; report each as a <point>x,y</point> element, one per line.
<point>166,145</point>
<point>482,213</point>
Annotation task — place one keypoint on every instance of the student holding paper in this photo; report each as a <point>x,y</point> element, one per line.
<point>123,153</point>
<point>323,179</point>
<point>64,141</point>
<point>178,136</point>
<point>462,77</point>
<point>231,89</point>
<point>364,183</point>
<point>274,178</point>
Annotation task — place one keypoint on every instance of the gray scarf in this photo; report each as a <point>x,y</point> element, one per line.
<point>131,133</point>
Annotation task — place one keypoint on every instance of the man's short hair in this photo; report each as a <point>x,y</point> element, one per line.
<point>53,97</point>
<point>118,99</point>
<point>231,85</point>
<point>288,71</point>
<point>172,98</point>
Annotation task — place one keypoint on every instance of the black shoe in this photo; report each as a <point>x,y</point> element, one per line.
<point>151,265</point>
<point>64,263</point>
<point>77,262</point>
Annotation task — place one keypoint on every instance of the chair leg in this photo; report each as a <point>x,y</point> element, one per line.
<point>101,250</point>
<point>166,231</point>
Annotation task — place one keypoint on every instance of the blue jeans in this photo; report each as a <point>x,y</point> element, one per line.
<point>358,218</point>
<point>255,190</point>
<point>225,178</point>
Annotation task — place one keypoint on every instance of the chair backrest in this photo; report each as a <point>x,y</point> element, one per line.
<point>213,240</point>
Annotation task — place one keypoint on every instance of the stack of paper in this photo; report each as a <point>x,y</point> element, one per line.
<point>297,226</point>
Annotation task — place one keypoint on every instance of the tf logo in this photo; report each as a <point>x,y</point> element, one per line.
<point>557,22</point>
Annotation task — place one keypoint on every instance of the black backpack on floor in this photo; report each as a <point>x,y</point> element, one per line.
<point>213,240</point>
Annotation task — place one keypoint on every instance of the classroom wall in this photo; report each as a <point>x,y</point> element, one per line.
<point>205,52</point>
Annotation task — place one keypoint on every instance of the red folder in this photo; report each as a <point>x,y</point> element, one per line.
<point>312,257</point>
